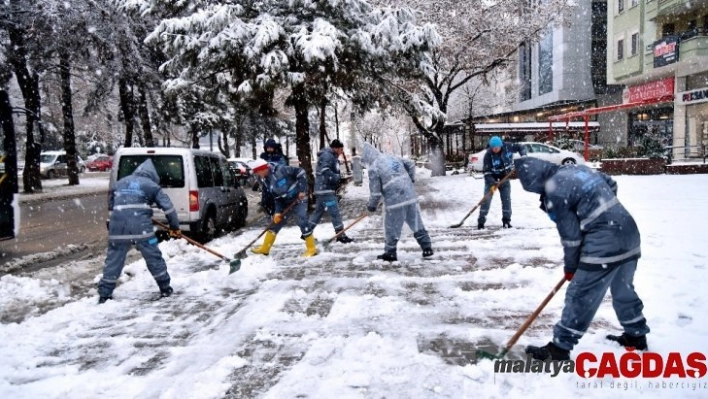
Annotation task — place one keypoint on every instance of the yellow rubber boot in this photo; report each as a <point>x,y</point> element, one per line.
<point>311,248</point>
<point>268,241</point>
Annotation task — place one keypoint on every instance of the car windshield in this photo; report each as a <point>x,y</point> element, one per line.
<point>168,167</point>
<point>47,158</point>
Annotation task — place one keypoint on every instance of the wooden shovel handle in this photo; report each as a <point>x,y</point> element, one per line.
<point>534,315</point>
<point>359,219</point>
<point>191,241</point>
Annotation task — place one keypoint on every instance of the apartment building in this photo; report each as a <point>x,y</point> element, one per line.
<point>658,49</point>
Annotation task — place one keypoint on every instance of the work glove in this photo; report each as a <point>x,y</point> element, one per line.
<point>371,208</point>
<point>492,189</point>
<point>277,218</point>
<point>569,276</point>
<point>175,233</point>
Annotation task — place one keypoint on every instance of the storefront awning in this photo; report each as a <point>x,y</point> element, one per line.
<point>529,127</point>
<point>610,108</point>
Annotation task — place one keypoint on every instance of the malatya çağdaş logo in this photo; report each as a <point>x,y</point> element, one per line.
<point>630,364</point>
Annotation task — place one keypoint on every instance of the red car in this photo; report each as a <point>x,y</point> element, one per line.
<point>100,164</point>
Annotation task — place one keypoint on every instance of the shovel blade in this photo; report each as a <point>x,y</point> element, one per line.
<point>241,255</point>
<point>234,266</point>
<point>454,226</point>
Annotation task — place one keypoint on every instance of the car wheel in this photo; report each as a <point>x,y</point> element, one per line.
<point>242,213</point>
<point>51,174</point>
<point>209,227</point>
<point>568,161</point>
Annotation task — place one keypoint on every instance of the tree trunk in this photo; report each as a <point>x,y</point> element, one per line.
<point>254,154</point>
<point>145,118</point>
<point>437,156</point>
<point>323,126</point>
<point>225,148</point>
<point>336,120</point>
<point>29,86</point>
<point>302,134</point>
<point>127,108</point>
<point>68,115</point>
<point>195,137</point>
<point>239,137</point>
<point>9,143</point>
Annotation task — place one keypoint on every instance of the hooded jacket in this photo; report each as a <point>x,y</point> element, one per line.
<point>596,230</point>
<point>390,177</point>
<point>284,183</point>
<point>130,203</point>
<point>327,175</point>
<point>275,157</point>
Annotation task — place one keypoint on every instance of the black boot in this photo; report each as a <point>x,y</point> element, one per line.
<point>480,225</point>
<point>388,257</point>
<point>628,341</point>
<point>506,223</point>
<point>344,239</point>
<point>428,252</point>
<point>548,352</point>
<point>103,299</point>
<point>166,291</point>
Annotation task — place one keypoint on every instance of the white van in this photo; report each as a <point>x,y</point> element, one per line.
<point>200,185</point>
<point>54,163</point>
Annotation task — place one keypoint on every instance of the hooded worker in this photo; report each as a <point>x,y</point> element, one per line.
<point>129,202</point>
<point>601,246</point>
<point>391,178</point>
<point>288,186</point>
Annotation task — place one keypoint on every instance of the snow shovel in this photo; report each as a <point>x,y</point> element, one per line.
<point>232,262</point>
<point>489,194</point>
<point>236,264</point>
<point>523,328</point>
<point>359,219</point>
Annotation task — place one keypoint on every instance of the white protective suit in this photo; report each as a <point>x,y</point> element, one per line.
<point>392,177</point>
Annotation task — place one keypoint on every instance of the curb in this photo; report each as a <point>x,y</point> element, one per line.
<point>46,197</point>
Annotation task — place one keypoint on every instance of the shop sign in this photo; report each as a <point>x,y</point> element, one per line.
<point>666,51</point>
<point>650,91</point>
<point>693,96</point>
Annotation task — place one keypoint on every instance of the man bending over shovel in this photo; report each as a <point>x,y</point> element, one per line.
<point>286,184</point>
<point>601,246</point>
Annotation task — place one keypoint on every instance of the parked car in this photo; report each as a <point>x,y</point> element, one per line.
<point>200,184</point>
<point>100,164</point>
<point>543,151</point>
<point>579,146</point>
<point>242,171</point>
<point>53,164</point>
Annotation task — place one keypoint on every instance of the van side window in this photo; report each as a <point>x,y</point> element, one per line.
<point>204,176</point>
<point>226,171</point>
<point>218,173</point>
<point>61,158</point>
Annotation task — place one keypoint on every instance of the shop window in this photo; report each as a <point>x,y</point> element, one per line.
<point>634,44</point>
<point>545,64</point>
<point>668,30</point>
<point>620,49</point>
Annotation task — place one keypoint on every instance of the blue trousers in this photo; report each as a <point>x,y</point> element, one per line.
<point>584,296</point>
<point>115,261</point>
<point>505,193</point>
<point>393,223</point>
<point>300,211</point>
<point>326,202</point>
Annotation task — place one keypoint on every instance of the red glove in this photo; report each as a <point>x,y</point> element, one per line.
<point>569,276</point>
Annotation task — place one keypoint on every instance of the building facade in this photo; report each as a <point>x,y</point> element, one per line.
<point>658,49</point>
<point>564,72</point>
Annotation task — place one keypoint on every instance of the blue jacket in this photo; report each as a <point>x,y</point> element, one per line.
<point>498,165</point>
<point>327,175</point>
<point>275,157</point>
<point>284,183</point>
<point>390,177</point>
<point>596,230</point>
<point>130,202</point>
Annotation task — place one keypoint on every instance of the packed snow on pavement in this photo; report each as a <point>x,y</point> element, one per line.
<point>343,325</point>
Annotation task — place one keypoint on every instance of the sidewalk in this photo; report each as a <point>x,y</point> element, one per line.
<point>89,184</point>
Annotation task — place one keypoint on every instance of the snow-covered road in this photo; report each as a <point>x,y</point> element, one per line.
<point>342,325</point>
